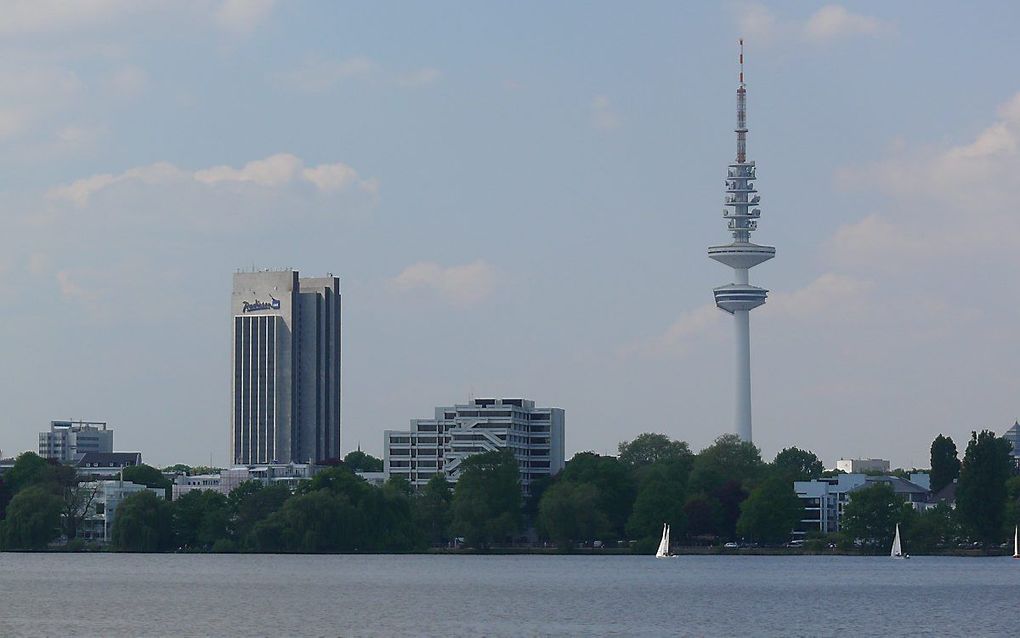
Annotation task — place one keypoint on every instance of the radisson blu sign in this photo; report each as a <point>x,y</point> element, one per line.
<point>257,305</point>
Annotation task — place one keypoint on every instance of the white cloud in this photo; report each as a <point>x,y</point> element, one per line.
<point>954,201</point>
<point>40,16</point>
<point>603,116</point>
<point>421,77</point>
<point>243,16</point>
<point>833,21</point>
<point>128,81</point>
<point>272,172</point>
<point>463,285</point>
<point>830,23</point>
<point>318,75</point>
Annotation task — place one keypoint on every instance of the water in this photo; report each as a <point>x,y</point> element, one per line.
<point>260,595</point>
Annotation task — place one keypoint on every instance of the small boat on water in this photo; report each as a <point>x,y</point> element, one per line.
<point>663,551</point>
<point>1016,542</point>
<point>897,548</point>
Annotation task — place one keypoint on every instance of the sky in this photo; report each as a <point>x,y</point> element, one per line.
<point>518,198</point>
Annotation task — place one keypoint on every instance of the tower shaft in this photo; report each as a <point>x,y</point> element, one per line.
<point>740,297</point>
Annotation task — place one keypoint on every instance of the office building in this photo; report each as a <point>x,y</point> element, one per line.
<point>825,499</point>
<point>440,445</point>
<point>289,474</point>
<point>286,368</point>
<point>68,441</point>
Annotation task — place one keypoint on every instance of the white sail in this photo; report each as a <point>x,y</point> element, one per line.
<point>897,551</point>
<point>1016,542</point>
<point>664,543</point>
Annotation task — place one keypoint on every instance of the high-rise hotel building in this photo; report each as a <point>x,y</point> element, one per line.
<point>286,356</point>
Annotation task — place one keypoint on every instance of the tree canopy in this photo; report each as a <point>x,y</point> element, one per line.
<point>981,493</point>
<point>487,499</point>
<point>945,465</point>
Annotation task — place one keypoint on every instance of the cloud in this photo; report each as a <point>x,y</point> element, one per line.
<point>243,16</point>
<point>127,81</point>
<point>421,77</point>
<point>318,75</point>
<point>22,17</point>
<point>463,285</point>
<point>274,171</point>
<point>603,116</point>
<point>829,24</point>
<point>832,22</point>
<point>692,326</point>
<point>953,201</point>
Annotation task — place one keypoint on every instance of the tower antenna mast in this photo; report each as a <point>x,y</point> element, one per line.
<point>740,297</point>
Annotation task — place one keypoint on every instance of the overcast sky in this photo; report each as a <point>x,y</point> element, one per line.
<point>517,198</point>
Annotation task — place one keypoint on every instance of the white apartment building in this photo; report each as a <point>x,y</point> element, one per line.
<point>855,466</point>
<point>439,445</point>
<point>824,499</point>
<point>68,441</point>
<point>226,481</point>
<point>102,510</point>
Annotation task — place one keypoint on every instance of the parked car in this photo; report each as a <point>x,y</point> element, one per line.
<point>731,545</point>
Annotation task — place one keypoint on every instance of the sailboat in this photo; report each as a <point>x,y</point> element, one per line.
<point>1016,542</point>
<point>663,551</point>
<point>897,549</point>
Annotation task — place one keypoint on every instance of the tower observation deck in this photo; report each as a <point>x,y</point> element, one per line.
<point>740,297</point>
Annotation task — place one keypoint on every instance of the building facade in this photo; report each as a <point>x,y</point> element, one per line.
<point>68,441</point>
<point>286,368</point>
<point>101,509</point>
<point>854,466</point>
<point>289,474</point>
<point>824,499</point>
<point>439,445</point>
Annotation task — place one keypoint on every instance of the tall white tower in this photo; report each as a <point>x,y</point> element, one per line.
<point>740,297</point>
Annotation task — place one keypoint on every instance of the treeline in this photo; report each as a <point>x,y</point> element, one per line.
<point>725,492</point>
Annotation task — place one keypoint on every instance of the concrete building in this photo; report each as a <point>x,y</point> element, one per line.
<point>286,368</point>
<point>101,511</point>
<point>289,474</point>
<point>440,445</point>
<point>825,499</point>
<point>854,466</point>
<point>106,464</point>
<point>1013,436</point>
<point>68,441</point>
<point>740,297</point>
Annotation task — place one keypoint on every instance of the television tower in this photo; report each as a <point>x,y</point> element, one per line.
<point>740,297</point>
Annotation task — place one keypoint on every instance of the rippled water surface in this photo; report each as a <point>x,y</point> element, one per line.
<point>233,595</point>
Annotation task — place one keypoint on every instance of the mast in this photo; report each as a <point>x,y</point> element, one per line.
<point>739,298</point>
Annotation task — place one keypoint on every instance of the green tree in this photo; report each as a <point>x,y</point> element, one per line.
<point>431,510</point>
<point>871,515</point>
<point>703,515</point>
<point>148,476</point>
<point>794,464</point>
<point>199,519</point>
<point>33,518</point>
<point>770,512</point>
<point>143,524</point>
<point>930,530</point>
<point>358,461</point>
<point>250,503</point>
<point>650,448</point>
<point>728,459</point>
<point>1012,504</point>
<point>660,499</point>
<point>28,469</point>
<point>981,493</point>
<point>614,487</point>
<point>569,513</point>
<point>487,499</point>
<point>945,464</point>
<point>179,468</point>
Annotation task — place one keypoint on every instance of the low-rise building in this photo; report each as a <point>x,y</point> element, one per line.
<point>855,466</point>
<point>825,499</point>
<point>533,434</point>
<point>289,474</point>
<point>68,441</point>
<point>106,464</point>
<point>101,507</point>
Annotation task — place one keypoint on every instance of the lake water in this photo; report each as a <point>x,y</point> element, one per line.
<point>262,595</point>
